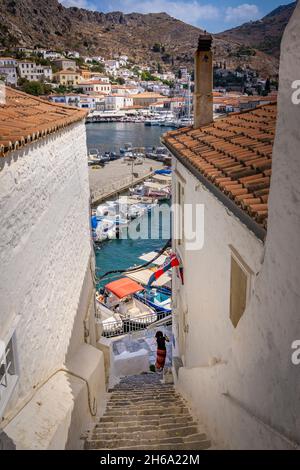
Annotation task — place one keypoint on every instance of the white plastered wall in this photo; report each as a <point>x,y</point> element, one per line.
<point>45,280</point>
<point>250,399</point>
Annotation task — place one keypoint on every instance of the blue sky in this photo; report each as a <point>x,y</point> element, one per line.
<point>212,15</point>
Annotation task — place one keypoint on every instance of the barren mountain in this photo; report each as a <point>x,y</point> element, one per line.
<point>265,34</point>
<point>147,39</point>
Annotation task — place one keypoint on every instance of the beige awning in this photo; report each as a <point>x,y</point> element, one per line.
<point>149,256</point>
<point>143,276</point>
<point>153,185</point>
<point>163,178</point>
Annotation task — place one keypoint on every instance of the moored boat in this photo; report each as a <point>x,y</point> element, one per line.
<point>117,303</point>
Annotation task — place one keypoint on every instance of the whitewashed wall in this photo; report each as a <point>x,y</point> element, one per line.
<point>257,372</point>
<point>206,291</point>
<point>44,254</point>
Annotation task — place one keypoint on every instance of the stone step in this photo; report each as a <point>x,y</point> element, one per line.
<point>146,406</point>
<point>197,445</point>
<point>148,423</point>
<point>141,387</point>
<point>143,429</point>
<point>144,397</point>
<point>184,431</point>
<point>136,399</point>
<point>154,442</point>
<point>140,418</point>
<point>176,410</point>
<point>144,414</point>
<point>149,402</point>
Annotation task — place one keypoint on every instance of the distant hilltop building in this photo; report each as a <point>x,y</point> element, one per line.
<point>53,372</point>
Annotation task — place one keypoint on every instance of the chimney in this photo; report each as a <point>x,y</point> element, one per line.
<point>203,97</point>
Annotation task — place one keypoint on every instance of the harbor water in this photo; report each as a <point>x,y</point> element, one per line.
<point>125,253</point>
<point>111,136</point>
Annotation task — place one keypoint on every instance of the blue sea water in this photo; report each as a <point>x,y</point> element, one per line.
<point>124,253</point>
<point>111,136</point>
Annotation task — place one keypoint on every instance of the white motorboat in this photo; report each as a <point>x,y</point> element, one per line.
<point>106,229</point>
<point>94,158</point>
<point>116,303</point>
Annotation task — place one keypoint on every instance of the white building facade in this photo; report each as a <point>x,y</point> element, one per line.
<point>53,373</point>
<point>115,102</point>
<point>95,86</point>
<point>237,311</point>
<point>34,72</point>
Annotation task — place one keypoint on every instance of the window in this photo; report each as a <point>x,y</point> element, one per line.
<point>240,279</point>
<point>8,373</point>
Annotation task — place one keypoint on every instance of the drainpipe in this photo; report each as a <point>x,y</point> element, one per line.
<point>203,97</point>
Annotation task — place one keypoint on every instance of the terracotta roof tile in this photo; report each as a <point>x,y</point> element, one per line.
<point>235,153</point>
<point>25,118</point>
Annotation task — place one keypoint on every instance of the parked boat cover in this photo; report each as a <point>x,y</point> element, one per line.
<point>123,287</point>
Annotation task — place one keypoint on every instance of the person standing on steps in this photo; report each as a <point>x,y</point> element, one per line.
<point>161,352</point>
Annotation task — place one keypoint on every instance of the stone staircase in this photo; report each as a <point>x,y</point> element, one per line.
<point>142,413</point>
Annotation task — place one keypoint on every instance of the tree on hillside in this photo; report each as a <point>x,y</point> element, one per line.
<point>120,80</point>
<point>159,68</point>
<point>34,87</point>
<point>156,47</point>
<point>268,86</point>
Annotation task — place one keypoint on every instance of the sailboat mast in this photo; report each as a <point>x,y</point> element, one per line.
<point>189,97</point>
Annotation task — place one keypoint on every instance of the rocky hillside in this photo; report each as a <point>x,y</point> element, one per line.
<point>148,39</point>
<point>265,34</point>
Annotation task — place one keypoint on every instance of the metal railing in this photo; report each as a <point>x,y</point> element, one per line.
<point>130,325</point>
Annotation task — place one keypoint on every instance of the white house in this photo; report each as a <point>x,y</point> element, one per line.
<point>115,102</point>
<point>90,102</point>
<point>51,55</point>
<point>73,54</point>
<point>32,71</point>
<point>9,61</point>
<point>65,64</point>
<point>9,75</point>
<point>126,89</point>
<point>8,70</point>
<point>95,86</point>
<point>52,375</point>
<point>112,66</point>
<point>236,310</point>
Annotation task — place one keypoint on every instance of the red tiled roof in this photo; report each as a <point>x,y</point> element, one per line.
<point>235,155</point>
<point>25,118</point>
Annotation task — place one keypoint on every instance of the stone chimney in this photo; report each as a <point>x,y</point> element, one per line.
<point>203,97</point>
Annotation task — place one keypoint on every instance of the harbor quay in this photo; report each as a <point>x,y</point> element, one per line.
<point>117,176</point>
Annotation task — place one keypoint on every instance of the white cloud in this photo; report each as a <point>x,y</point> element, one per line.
<point>244,12</point>
<point>79,4</point>
<point>190,11</point>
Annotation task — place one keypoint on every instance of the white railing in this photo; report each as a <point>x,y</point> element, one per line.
<point>130,325</point>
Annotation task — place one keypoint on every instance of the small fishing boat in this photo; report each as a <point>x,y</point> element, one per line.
<point>127,148</point>
<point>94,158</point>
<point>106,230</point>
<point>158,298</point>
<point>153,190</point>
<point>116,302</point>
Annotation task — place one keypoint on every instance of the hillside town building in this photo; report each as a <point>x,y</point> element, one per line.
<point>95,86</point>
<point>33,72</point>
<point>67,77</point>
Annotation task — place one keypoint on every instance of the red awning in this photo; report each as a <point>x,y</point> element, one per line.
<point>123,287</point>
